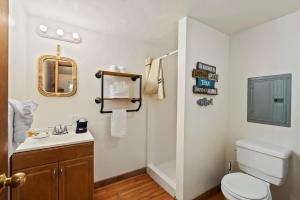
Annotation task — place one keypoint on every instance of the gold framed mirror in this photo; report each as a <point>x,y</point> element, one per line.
<point>57,76</point>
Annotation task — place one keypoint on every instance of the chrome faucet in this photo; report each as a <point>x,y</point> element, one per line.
<point>59,130</point>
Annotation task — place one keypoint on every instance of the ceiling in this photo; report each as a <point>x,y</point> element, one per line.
<point>156,20</point>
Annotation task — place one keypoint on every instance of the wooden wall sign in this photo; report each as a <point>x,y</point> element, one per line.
<point>199,90</point>
<point>206,67</point>
<point>203,74</point>
<point>200,73</point>
<point>206,78</point>
<point>204,83</point>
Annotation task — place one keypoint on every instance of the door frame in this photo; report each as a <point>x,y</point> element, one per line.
<point>3,91</point>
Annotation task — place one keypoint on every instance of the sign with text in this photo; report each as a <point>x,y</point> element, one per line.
<point>200,73</point>
<point>206,78</point>
<point>204,83</point>
<point>204,74</point>
<point>210,91</point>
<point>214,77</point>
<point>206,67</point>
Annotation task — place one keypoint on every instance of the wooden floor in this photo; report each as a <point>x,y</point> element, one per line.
<point>217,197</point>
<point>141,187</point>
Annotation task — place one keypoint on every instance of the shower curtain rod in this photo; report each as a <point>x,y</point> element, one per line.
<point>168,54</point>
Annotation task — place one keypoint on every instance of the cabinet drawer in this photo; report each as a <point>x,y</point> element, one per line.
<point>51,155</point>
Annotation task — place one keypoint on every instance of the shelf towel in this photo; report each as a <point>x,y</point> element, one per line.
<point>154,84</point>
<point>118,123</point>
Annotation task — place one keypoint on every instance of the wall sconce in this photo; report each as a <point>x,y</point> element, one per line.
<point>58,34</point>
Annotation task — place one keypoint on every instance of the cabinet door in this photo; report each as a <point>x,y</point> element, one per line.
<point>76,179</point>
<point>41,184</point>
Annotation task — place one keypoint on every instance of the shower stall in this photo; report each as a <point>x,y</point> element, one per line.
<point>161,130</point>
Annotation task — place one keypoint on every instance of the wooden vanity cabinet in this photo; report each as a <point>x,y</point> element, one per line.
<point>75,179</point>
<point>62,173</point>
<point>41,183</point>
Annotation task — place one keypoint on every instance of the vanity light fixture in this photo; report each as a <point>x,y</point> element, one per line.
<point>60,32</point>
<point>43,28</point>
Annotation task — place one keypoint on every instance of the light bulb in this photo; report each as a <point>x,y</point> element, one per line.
<point>43,28</point>
<point>60,32</point>
<point>76,36</point>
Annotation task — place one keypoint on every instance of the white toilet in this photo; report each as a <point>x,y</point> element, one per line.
<point>264,164</point>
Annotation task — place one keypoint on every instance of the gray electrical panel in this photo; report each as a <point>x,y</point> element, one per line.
<point>269,100</point>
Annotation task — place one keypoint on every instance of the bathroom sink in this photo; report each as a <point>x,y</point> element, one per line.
<point>54,141</point>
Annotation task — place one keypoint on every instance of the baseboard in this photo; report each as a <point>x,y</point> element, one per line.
<point>121,177</point>
<point>211,192</point>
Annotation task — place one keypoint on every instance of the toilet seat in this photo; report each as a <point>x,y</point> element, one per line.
<point>240,186</point>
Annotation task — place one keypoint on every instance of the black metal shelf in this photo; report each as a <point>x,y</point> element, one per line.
<point>102,99</point>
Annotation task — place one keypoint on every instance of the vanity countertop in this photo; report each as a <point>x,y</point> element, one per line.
<point>54,141</point>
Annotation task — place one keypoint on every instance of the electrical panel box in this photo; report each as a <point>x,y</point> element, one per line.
<point>269,100</point>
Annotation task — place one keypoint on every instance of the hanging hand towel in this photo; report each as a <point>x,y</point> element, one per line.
<point>154,84</point>
<point>118,123</point>
<point>161,84</point>
<point>148,62</point>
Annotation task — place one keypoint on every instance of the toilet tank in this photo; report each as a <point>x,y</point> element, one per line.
<point>265,161</point>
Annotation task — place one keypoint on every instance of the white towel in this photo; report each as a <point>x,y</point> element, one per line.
<point>118,123</point>
<point>154,84</point>
<point>10,130</point>
<point>23,118</point>
<point>161,84</point>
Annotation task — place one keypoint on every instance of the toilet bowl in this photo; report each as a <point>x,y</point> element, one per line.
<point>263,164</point>
<point>240,186</point>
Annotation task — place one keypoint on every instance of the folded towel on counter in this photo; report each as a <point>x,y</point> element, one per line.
<point>118,123</point>
<point>23,118</point>
<point>154,84</point>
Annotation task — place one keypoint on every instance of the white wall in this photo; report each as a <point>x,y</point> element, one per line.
<point>181,76</point>
<point>204,128</point>
<point>97,51</point>
<point>17,42</point>
<point>161,118</point>
<point>272,48</point>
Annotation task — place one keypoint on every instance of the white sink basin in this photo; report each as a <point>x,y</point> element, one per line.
<point>54,141</point>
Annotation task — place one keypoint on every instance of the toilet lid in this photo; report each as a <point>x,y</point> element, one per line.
<point>245,186</point>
